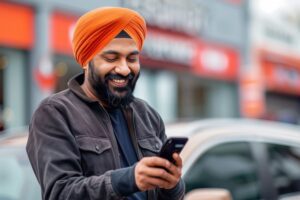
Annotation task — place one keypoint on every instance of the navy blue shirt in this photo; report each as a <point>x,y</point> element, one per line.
<point>127,152</point>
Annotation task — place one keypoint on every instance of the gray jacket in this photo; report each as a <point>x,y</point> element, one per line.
<point>74,153</point>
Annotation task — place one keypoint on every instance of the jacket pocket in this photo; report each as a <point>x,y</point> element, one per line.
<point>150,146</point>
<point>96,155</point>
<point>96,145</point>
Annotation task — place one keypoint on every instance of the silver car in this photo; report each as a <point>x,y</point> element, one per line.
<point>17,180</point>
<point>252,159</point>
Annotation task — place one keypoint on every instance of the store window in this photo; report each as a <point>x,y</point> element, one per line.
<point>192,95</point>
<point>65,68</point>
<point>284,108</point>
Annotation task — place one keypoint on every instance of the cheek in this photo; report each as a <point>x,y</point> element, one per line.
<point>135,69</point>
<point>103,70</point>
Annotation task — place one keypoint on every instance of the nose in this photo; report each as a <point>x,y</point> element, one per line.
<point>123,69</point>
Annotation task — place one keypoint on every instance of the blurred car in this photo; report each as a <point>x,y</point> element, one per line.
<point>252,159</point>
<point>17,180</point>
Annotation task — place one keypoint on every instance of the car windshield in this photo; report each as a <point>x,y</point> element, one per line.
<point>17,180</point>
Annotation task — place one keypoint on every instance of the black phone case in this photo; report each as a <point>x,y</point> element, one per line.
<point>172,145</point>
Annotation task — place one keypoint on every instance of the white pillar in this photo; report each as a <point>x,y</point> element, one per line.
<point>166,95</point>
<point>14,107</point>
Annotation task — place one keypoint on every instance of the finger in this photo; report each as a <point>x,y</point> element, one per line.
<point>175,169</point>
<point>171,176</point>
<point>177,159</point>
<point>149,176</point>
<point>162,183</point>
<point>141,177</point>
<point>158,172</point>
<point>156,162</point>
<point>158,182</point>
<point>159,167</point>
<point>175,175</point>
<point>142,171</point>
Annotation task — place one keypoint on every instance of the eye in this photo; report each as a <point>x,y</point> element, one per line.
<point>110,58</point>
<point>132,59</point>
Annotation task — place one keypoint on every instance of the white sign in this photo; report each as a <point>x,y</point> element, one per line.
<point>183,16</point>
<point>272,29</point>
<point>169,48</point>
<point>214,60</point>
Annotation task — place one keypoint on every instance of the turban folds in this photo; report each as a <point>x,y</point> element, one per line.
<point>95,29</point>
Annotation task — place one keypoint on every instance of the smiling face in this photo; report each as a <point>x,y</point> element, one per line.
<point>113,72</point>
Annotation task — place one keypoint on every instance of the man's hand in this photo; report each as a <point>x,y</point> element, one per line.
<point>152,172</point>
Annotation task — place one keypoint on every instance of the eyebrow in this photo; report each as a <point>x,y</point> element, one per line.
<point>117,53</point>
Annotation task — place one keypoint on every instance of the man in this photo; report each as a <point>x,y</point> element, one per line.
<point>95,140</point>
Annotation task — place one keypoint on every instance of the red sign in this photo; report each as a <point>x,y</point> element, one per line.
<point>216,62</point>
<point>45,82</point>
<point>282,78</point>
<point>281,72</point>
<point>17,25</point>
<point>62,27</point>
<point>174,50</point>
<point>44,75</point>
<point>237,2</point>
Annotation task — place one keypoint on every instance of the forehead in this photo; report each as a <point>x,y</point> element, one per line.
<point>122,45</point>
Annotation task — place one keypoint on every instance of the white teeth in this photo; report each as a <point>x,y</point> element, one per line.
<point>118,80</point>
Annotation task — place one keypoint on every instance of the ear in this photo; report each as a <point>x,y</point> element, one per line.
<point>85,66</point>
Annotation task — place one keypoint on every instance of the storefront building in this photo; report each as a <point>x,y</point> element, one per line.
<point>192,54</point>
<point>274,59</point>
<point>33,64</point>
<point>16,42</point>
<point>189,70</point>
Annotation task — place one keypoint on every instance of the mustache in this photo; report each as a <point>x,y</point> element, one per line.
<point>118,76</point>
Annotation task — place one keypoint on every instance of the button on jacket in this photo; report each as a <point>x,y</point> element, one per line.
<point>75,155</point>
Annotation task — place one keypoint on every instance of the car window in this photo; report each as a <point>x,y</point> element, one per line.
<point>228,166</point>
<point>284,163</point>
<point>17,180</point>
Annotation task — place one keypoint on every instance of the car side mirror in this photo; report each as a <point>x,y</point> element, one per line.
<point>208,194</point>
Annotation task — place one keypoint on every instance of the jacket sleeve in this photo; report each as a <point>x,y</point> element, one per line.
<point>55,158</point>
<point>176,193</point>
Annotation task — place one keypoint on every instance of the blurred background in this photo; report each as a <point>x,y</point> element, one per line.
<point>201,59</point>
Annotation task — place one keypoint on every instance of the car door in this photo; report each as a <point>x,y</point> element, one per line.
<point>228,165</point>
<point>17,180</point>
<point>284,166</point>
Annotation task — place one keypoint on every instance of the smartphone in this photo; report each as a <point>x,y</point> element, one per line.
<point>172,145</point>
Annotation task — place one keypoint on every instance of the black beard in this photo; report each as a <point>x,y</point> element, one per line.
<point>101,88</point>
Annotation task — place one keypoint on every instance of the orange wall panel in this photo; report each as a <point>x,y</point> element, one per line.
<point>17,25</point>
<point>62,26</point>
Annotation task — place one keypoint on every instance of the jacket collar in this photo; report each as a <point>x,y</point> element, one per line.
<point>74,85</point>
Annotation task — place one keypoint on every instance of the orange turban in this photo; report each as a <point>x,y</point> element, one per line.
<point>95,29</point>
